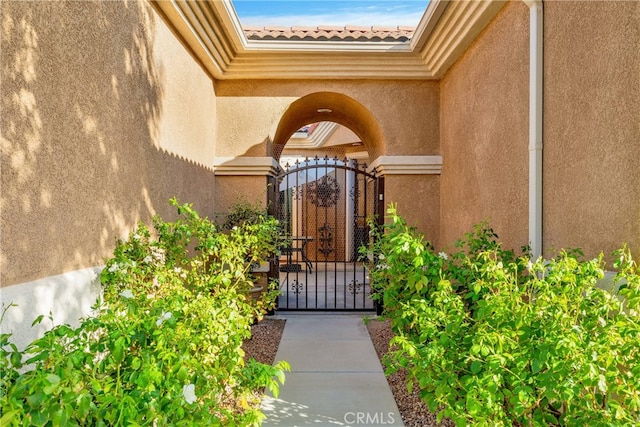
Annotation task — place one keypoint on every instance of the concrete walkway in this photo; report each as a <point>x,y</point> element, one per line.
<point>336,378</point>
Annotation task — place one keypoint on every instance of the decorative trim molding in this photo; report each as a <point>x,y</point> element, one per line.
<point>407,165</point>
<point>212,31</point>
<point>455,30</point>
<point>317,138</point>
<point>243,166</point>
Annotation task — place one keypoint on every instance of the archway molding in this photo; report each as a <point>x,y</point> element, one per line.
<point>332,107</point>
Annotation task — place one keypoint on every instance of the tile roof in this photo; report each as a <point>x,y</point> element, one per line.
<point>349,33</point>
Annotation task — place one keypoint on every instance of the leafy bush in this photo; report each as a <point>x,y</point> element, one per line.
<point>243,212</point>
<point>494,339</point>
<point>164,347</point>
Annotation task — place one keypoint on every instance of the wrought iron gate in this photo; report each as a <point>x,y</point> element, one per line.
<point>323,205</point>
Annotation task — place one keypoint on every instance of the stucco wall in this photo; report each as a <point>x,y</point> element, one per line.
<point>417,200</point>
<point>104,118</point>
<point>231,190</point>
<point>406,111</point>
<point>484,133</point>
<point>592,126</point>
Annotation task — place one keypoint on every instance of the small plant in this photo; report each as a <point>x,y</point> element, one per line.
<point>494,339</point>
<point>164,347</point>
<point>243,212</point>
<point>250,225</point>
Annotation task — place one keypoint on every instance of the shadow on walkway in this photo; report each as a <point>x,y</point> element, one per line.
<point>336,378</point>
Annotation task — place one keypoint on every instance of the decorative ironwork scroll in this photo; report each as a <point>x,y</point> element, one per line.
<point>297,192</point>
<point>326,239</point>
<point>355,286</point>
<point>297,287</point>
<point>324,192</point>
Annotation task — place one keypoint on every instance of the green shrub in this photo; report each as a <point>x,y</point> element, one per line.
<point>243,212</point>
<point>164,346</point>
<point>494,339</point>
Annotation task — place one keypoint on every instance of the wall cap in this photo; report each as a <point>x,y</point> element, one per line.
<point>243,166</point>
<point>407,165</point>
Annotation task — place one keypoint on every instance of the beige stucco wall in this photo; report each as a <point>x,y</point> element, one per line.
<point>592,126</point>
<point>342,135</point>
<point>405,111</point>
<point>104,118</point>
<point>484,131</point>
<point>231,190</point>
<point>417,198</point>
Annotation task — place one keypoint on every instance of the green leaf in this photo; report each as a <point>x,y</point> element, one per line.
<point>96,385</point>
<point>476,366</point>
<point>16,359</point>
<point>118,350</point>
<point>39,418</point>
<point>136,363</point>
<point>536,366</point>
<point>473,406</point>
<point>35,400</point>
<point>84,405</point>
<point>274,389</point>
<point>53,379</point>
<point>50,389</point>
<point>182,374</point>
<point>8,417</point>
<point>37,320</point>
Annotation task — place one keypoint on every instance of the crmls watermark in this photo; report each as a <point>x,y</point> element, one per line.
<point>381,418</point>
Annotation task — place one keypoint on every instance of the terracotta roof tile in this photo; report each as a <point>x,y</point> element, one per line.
<point>388,29</point>
<point>330,33</point>
<point>329,28</point>
<point>300,28</point>
<point>357,28</point>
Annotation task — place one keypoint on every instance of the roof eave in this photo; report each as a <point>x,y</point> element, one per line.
<point>212,31</point>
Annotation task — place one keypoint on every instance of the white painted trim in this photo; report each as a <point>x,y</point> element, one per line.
<point>407,165</point>
<point>300,46</point>
<point>536,45</point>
<point>318,137</point>
<point>242,166</point>
<point>427,23</point>
<point>68,297</point>
<point>358,155</point>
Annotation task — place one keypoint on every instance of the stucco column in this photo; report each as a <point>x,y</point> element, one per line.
<point>242,179</point>
<point>413,183</point>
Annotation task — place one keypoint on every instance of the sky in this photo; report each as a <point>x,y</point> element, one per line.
<point>290,13</point>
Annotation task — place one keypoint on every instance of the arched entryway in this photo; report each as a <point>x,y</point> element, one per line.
<point>328,107</point>
<point>324,204</point>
